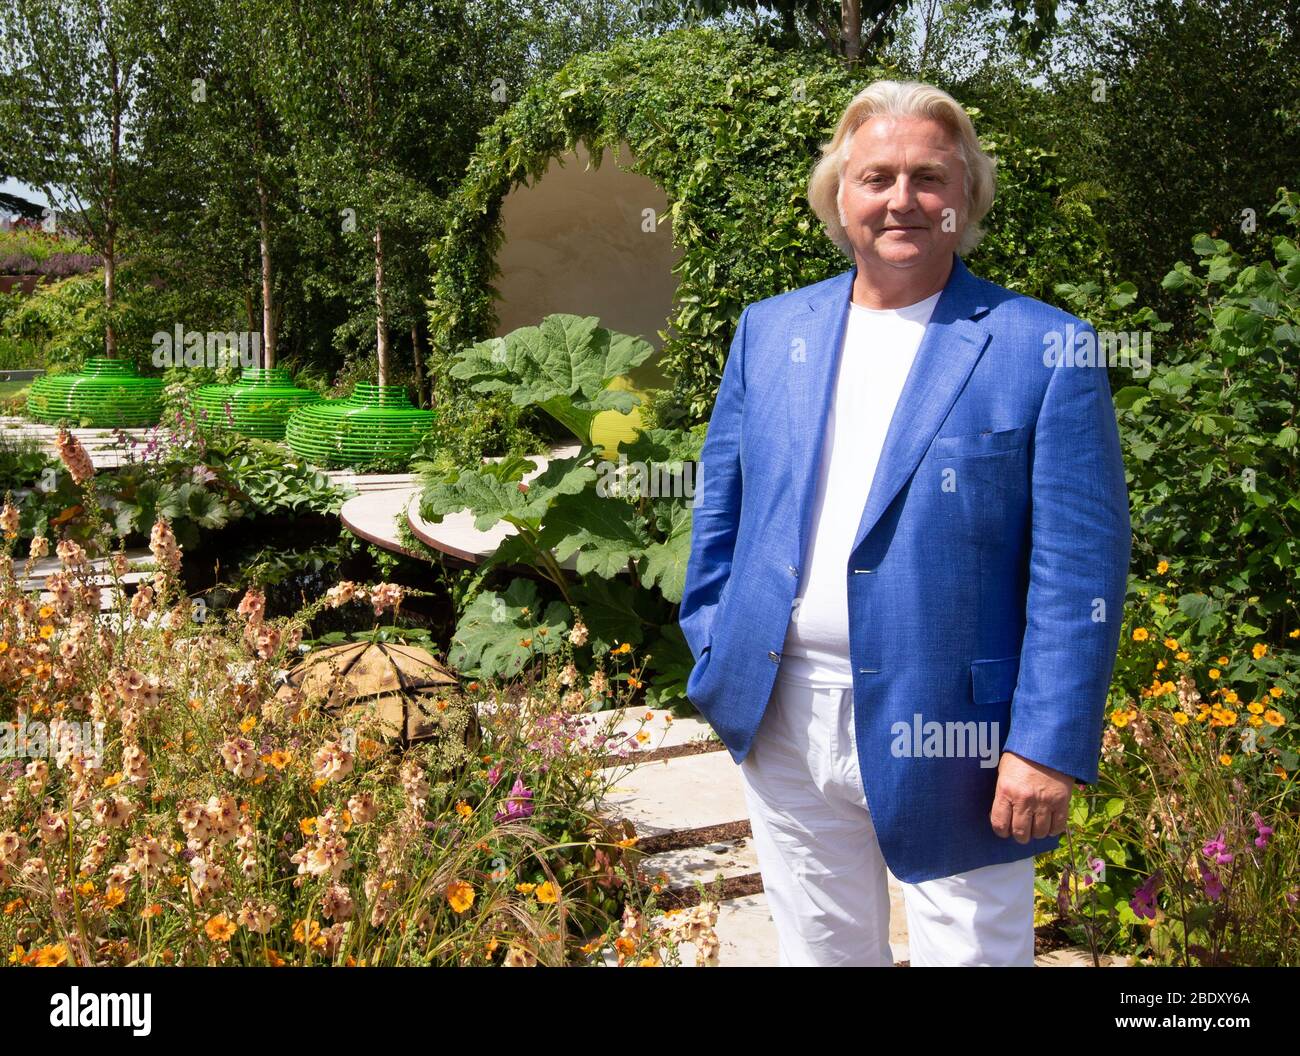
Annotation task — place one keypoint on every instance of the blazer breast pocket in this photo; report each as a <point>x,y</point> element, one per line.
<point>986,442</point>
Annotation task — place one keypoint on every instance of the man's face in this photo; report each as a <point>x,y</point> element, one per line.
<point>902,197</point>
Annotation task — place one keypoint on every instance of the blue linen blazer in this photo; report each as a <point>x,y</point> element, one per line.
<point>987,577</point>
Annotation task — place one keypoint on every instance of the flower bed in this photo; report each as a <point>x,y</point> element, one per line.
<point>166,801</point>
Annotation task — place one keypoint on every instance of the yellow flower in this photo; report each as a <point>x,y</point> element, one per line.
<point>17,954</point>
<point>1162,568</point>
<point>1140,634</point>
<point>1221,660</point>
<point>88,888</point>
<point>1258,651</point>
<point>248,724</point>
<point>1214,672</point>
<point>274,959</point>
<point>464,809</point>
<point>1161,665</point>
<point>219,928</point>
<point>307,825</point>
<point>1225,759</point>
<point>1274,718</point>
<point>46,611</point>
<point>1171,643</point>
<point>1295,633</point>
<point>525,889</point>
<point>1254,707</point>
<point>626,647</point>
<point>547,893</point>
<point>114,896</point>
<point>461,895</point>
<point>47,632</point>
<point>1275,692</point>
<point>1231,697</point>
<point>1180,718</point>
<point>278,758</point>
<point>1183,655</point>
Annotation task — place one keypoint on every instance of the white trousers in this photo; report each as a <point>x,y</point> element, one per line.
<point>823,873</point>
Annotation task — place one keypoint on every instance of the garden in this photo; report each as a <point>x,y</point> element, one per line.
<point>345,489</point>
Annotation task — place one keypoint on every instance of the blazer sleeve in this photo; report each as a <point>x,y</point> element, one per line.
<point>715,517</point>
<point>1078,572</point>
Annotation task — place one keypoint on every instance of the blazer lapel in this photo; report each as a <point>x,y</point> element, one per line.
<point>952,344</point>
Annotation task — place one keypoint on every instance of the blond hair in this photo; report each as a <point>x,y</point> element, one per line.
<point>903,99</point>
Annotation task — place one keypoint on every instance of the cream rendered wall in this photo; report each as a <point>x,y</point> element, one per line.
<point>574,242</point>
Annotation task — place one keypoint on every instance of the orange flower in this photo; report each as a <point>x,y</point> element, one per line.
<point>49,956</point>
<point>461,895</point>
<point>113,897</point>
<point>219,928</point>
<point>1257,652</point>
<point>274,959</point>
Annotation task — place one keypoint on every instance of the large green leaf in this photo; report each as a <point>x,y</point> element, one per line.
<point>500,633</point>
<point>495,492</point>
<point>607,532</point>
<point>564,366</point>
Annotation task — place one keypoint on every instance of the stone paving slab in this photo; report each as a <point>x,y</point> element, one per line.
<point>686,792</point>
<point>661,729</point>
<point>372,516</point>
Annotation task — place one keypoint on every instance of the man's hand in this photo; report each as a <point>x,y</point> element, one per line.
<point>1031,800</point>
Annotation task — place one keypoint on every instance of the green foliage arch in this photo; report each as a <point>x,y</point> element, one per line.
<point>730,130</point>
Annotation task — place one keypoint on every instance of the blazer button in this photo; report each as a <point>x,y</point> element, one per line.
<point>866,571</point>
<point>774,657</point>
<point>793,571</point>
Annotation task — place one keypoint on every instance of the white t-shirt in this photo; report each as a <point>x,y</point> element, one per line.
<point>879,347</point>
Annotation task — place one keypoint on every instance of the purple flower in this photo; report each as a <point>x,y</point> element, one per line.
<point>1214,846</point>
<point>494,774</point>
<point>1143,902</point>
<point>519,804</point>
<point>1213,885</point>
<point>1264,831</point>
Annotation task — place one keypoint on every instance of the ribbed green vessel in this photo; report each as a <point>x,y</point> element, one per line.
<point>104,393</point>
<point>376,421</point>
<point>259,404</point>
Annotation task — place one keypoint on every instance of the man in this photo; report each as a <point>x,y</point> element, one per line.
<point>908,561</point>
